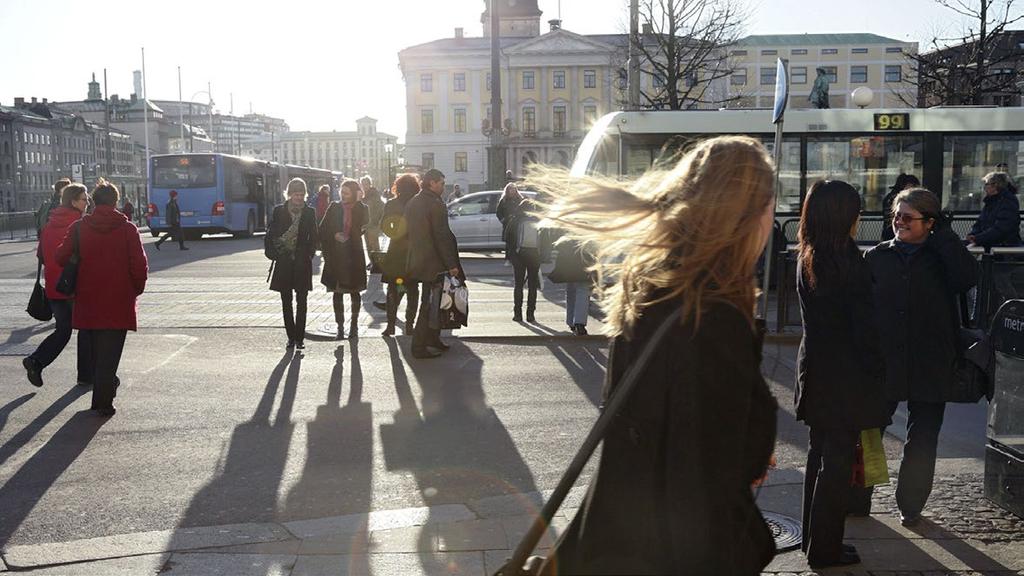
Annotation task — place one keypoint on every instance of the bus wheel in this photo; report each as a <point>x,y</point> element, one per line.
<point>250,227</point>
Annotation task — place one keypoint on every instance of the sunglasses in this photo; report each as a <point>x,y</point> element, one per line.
<point>906,218</point>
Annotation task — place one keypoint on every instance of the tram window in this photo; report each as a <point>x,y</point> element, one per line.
<point>868,163</point>
<point>966,159</point>
<point>788,199</point>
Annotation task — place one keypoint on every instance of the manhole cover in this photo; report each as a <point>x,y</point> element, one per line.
<point>785,530</point>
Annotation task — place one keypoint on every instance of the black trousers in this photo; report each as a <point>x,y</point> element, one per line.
<point>50,348</point>
<point>106,348</point>
<point>294,322</point>
<point>830,459</point>
<point>526,271</point>
<point>424,334</point>
<point>174,233</point>
<point>412,296</point>
<point>338,300</point>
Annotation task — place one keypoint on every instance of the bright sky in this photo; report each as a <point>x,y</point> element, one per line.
<point>322,64</point>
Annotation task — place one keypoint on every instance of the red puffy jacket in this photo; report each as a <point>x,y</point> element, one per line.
<point>112,270</point>
<point>61,218</point>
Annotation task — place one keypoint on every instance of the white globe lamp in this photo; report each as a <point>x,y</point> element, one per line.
<point>863,96</point>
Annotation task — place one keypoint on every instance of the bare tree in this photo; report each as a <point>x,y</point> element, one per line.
<point>976,64</point>
<point>683,47</point>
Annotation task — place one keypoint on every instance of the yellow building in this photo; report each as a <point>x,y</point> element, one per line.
<point>554,85</point>
<point>849,60</point>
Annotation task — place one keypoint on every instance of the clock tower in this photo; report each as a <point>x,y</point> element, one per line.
<point>518,18</point>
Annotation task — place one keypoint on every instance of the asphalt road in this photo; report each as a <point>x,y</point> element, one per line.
<point>217,424</point>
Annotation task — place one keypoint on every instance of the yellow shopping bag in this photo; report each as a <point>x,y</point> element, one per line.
<point>876,471</point>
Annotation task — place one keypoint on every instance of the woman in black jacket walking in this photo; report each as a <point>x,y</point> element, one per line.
<point>291,241</point>
<point>917,276</point>
<point>839,388</point>
<point>341,240</point>
<point>393,225</point>
<point>515,225</point>
<point>672,492</point>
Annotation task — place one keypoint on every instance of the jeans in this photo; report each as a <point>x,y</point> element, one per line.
<point>526,271</point>
<point>50,348</point>
<point>175,233</point>
<point>294,323</point>
<point>826,488</point>
<point>424,335</point>
<point>577,303</point>
<point>412,295</point>
<point>107,346</point>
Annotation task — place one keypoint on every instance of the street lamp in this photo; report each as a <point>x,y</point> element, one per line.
<point>389,148</point>
<point>209,111</point>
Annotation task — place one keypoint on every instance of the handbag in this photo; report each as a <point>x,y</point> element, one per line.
<point>518,565</point>
<point>69,275</point>
<point>870,467</point>
<point>972,371</point>
<point>38,304</point>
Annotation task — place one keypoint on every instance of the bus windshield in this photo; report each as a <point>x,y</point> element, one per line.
<point>185,172</point>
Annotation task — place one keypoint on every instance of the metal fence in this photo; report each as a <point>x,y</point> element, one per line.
<point>17,225</point>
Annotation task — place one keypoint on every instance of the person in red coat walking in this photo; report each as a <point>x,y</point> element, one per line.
<point>74,198</point>
<point>112,273</point>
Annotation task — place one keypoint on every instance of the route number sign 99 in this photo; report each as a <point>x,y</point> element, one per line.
<point>895,121</point>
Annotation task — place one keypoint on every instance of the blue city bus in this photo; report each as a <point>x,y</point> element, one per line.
<point>219,193</point>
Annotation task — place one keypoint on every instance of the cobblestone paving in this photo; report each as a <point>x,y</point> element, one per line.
<point>958,504</point>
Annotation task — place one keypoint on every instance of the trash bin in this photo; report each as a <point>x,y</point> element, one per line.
<point>1004,450</point>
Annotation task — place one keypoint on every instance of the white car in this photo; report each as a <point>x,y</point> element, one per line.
<point>474,220</point>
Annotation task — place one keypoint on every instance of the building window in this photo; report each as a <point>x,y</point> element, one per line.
<point>828,51</point>
<point>589,115</point>
<point>426,82</point>
<point>767,75</point>
<point>739,77</point>
<point>798,52</point>
<point>657,80</point>
<point>529,120</point>
<point>738,53</point>
<point>461,162</point>
<point>558,79</point>
<point>459,81</point>
<point>460,119</point>
<point>426,121</point>
<point>428,160</point>
<point>558,121</point>
<point>894,73</point>
<point>858,74</point>
<point>859,51</point>
<point>488,81</point>
<point>831,74</point>
<point>894,50</point>
<point>798,75</point>
<point>623,79</point>
<point>528,81</point>
<point>769,52</point>
<point>590,79</point>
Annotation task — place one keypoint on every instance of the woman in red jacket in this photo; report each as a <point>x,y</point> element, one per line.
<point>112,273</point>
<point>74,198</point>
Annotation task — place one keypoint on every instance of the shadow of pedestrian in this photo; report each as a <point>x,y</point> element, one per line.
<point>11,406</point>
<point>249,474</point>
<point>39,422</point>
<point>31,482</point>
<point>457,447</point>
<point>23,334</point>
<point>337,476</point>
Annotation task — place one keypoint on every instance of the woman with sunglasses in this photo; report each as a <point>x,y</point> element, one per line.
<point>917,276</point>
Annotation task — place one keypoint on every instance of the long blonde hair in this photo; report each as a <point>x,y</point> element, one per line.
<point>691,231</point>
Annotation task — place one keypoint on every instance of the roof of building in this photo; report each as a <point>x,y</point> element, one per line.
<point>23,113</point>
<point>138,106</point>
<point>814,39</point>
<point>366,119</point>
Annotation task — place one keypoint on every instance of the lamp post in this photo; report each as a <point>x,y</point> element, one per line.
<point>389,148</point>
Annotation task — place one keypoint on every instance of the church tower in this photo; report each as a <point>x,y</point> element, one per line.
<point>94,89</point>
<point>519,18</point>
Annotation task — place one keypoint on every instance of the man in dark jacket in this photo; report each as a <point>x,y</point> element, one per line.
<point>433,251</point>
<point>43,214</point>
<point>173,223</point>
<point>999,221</point>
<point>375,204</point>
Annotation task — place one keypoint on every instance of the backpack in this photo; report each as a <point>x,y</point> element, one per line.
<point>529,234</point>
<point>43,214</point>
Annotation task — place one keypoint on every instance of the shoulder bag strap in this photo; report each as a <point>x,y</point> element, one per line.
<point>76,255</point>
<point>594,437</point>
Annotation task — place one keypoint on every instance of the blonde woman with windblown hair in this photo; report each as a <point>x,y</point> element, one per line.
<point>672,492</point>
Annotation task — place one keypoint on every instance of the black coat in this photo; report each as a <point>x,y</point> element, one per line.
<point>394,227</point>
<point>344,263</point>
<point>293,273</point>
<point>672,490</point>
<point>999,221</point>
<point>571,264</point>
<point>841,376</point>
<point>433,248</point>
<point>916,311</point>
<point>173,213</point>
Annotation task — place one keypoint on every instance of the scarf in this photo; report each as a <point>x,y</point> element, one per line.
<point>906,250</point>
<point>287,242</point>
<point>346,221</point>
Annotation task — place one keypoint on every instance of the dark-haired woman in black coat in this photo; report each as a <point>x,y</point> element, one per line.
<point>291,241</point>
<point>839,388</point>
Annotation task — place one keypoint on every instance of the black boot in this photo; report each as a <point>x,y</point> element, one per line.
<point>517,315</point>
